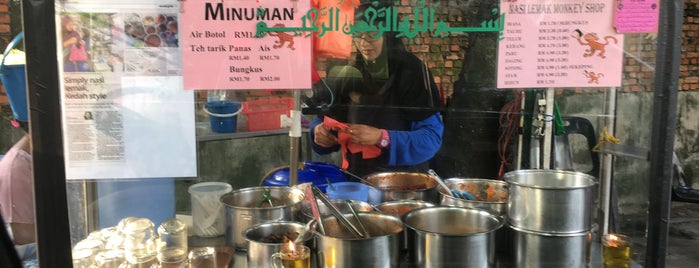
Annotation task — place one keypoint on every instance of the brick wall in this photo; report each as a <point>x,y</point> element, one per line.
<point>689,68</point>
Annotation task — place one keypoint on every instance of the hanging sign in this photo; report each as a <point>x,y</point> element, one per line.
<point>636,16</point>
<point>562,43</point>
<point>222,50</point>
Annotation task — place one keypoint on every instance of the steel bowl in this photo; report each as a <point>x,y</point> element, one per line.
<point>491,195</point>
<point>390,186</point>
<point>242,210</point>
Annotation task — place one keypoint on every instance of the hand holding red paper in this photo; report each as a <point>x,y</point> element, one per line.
<point>355,138</point>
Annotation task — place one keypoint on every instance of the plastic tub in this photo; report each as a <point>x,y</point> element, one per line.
<point>207,210</point>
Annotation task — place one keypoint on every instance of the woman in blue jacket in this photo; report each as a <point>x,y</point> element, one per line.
<point>387,100</point>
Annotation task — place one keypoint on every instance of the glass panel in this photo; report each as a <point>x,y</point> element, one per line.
<point>470,89</point>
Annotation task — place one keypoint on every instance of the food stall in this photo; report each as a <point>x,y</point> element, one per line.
<point>176,92</point>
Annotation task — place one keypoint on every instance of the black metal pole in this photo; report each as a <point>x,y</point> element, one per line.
<point>51,208</point>
<point>663,132</point>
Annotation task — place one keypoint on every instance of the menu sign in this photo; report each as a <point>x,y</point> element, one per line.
<point>563,43</point>
<point>221,50</point>
<point>636,16</point>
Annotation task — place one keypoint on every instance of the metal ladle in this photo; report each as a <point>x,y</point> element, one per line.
<point>441,182</point>
<point>360,178</point>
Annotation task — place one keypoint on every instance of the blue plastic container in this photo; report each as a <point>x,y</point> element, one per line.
<point>223,115</point>
<point>14,79</point>
<point>313,172</point>
<point>349,191</point>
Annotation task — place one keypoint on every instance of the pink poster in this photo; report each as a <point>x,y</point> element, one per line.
<point>221,48</point>
<point>561,43</point>
<point>636,16</point>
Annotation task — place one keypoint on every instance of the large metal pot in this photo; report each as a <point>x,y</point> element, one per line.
<point>389,186</point>
<point>243,210</point>
<point>260,250</point>
<point>451,237</point>
<point>400,208</point>
<point>550,201</point>
<point>339,248</point>
<point>490,195</point>
<point>535,249</point>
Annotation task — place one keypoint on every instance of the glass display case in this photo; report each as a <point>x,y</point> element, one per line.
<point>175,100</point>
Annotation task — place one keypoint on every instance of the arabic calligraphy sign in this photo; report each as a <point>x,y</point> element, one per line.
<point>563,43</point>
<point>378,19</point>
<point>220,49</point>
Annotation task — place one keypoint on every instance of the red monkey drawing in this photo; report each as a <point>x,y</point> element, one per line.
<point>592,41</point>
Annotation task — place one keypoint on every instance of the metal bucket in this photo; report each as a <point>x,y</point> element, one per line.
<point>451,237</point>
<point>390,186</point>
<point>242,210</point>
<point>339,248</point>
<point>491,195</point>
<point>535,249</point>
<point>259,251</point>
<point>550,201</point>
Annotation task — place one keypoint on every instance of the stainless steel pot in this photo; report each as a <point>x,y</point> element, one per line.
<point>390,186</point>
<point>259,251</point>
<point>535,249</point>
<point>339,248</point>
<point>398,209</point>
<point>451,237</point>
<point>550,201</point>
<point>490,195</point>
<point>242,210</point>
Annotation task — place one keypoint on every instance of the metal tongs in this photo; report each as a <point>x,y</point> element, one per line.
<point>336,212</point>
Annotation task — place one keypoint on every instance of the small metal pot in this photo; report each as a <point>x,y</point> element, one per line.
<point>451,237</point>
<point>242,210</point>
<point>491,195</point>
<point>259,252</point>
<point>390,186</point>
<point>550,201</point>
<point>339,248</point>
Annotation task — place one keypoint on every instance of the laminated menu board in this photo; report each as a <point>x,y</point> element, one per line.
<point>562,43</point>
<point>125,112</point>
<point>222,47</point>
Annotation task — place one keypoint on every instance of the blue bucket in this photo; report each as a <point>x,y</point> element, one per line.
<point>223,115</point>
<point>14,79</point>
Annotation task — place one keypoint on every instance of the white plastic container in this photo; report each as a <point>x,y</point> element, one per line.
<point>208,212</point>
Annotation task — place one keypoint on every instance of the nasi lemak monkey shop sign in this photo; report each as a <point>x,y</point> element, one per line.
<point>562,43</point>
<point>220,49</point>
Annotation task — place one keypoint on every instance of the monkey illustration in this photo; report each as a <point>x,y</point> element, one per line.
<point>283,38</point>
<point>592,41</point>
<point>594,77</point>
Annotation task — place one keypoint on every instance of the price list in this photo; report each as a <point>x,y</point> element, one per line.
<point>558,44</point>
<point>221,49</point>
